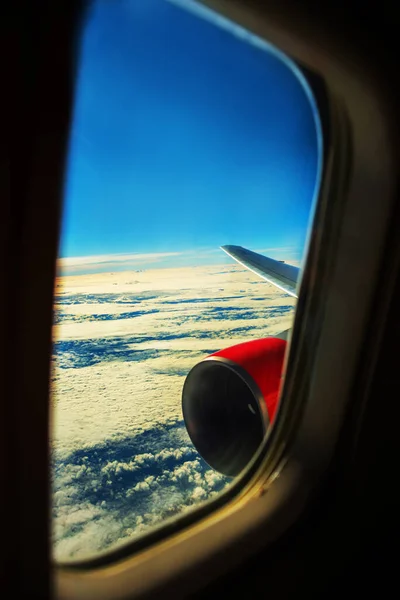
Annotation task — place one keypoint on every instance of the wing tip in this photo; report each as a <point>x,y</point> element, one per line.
<point>229,248</point>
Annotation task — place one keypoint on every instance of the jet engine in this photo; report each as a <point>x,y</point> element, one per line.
<point>229,400</point>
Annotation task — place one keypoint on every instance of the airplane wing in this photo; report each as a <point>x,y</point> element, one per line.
<point>283,276</point>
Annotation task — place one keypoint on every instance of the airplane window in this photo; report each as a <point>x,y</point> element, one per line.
<point>193,168</point>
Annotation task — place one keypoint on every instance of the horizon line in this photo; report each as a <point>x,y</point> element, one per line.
<point>123,261</point>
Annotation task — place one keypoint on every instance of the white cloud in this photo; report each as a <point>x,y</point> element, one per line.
<point>122,459</point>
<point>76,261</point>
<point>108,262</point>
<point>125,262</point>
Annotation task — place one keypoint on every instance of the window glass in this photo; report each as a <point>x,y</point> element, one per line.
<point>188,134</point>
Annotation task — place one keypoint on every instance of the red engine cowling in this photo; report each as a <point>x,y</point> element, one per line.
<point>229,400</point>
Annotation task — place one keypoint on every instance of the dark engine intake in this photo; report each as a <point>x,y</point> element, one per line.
<point>229,400</point>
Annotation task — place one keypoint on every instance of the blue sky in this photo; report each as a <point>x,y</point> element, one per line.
<point>184,137</point>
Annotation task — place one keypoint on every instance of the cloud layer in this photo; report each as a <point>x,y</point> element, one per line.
<point>123,344</point>
<point>113,491</point>
<point>137,262</point>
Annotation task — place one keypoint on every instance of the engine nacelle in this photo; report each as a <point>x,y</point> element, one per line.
<point>229,400</point>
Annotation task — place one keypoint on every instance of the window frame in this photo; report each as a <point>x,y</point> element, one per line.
<point>270,454</point>
<point>277,491</point>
